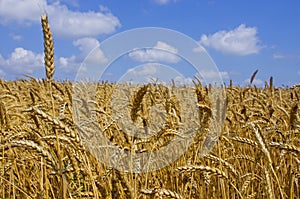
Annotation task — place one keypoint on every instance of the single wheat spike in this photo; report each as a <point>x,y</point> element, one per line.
<point>59,124</point>
<point>48,48</point>
<point>207,170</point>
<point>284,146</point>
<point>32,145</point>
<point>271,83</point>
<point>194,168</point>
<point>226,164</point>
<point>244,140</point>
<point>161,192</point>
<point>246,183</point>
<point>253,76</point>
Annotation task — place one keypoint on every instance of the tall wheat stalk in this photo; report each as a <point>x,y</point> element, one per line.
<point>50,68</point>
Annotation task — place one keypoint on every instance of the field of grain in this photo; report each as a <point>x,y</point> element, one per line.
<point>42,156</point>
<point>46,153</point>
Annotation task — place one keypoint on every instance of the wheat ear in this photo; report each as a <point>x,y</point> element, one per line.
<point>48,48</point>
<point>226,164</point>
<point>209,170</point>
<point>161,192</point>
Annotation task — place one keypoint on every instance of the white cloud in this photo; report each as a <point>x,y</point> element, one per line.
<point>209,75</point>
<point>286,56</point>
<point>22,11</point>
<point>278,56</point>
<point>199,49</point>
<point>180,80</point>
<point>165,46</point>
<point>68,64</point>
<point>163,2</point>
<point>81,24</point>
<point>151,71</point>
<point>161,52</point>
<point>85,46</point>
<point>73,3</point>
<point>22,61</point>
<point>16,37</point>
<point>148,69</point>
<point>141,74</point>
<point>239,41</point>
<point>104,8</point>
<point>63,21</point>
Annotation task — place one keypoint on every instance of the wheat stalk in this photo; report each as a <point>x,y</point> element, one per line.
<point>265,150</point>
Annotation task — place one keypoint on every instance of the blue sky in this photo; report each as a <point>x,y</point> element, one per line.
<point>239,36</point>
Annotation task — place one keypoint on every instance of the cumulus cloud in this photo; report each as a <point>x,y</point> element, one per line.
<point>199,49</point>
<point>22,11</point>
<point>80,24</point>
<point>151,71</point>
<point>141,74</point>
<point>212,75</point>
<point>63,21</point>
<point>148,69</point>
<point>22,61</point>
<point>161,73</point>
<point>85,45</point>
<point>180,80</point>
<point>68,64</point>
<point>239,41</point>
<point>73,3</point>
<point>161,52</point>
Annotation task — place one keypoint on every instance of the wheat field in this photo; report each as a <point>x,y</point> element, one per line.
<point>43,153</point>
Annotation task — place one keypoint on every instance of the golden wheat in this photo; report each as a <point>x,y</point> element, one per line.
<point>43,151</point>
<point>48,48</point>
